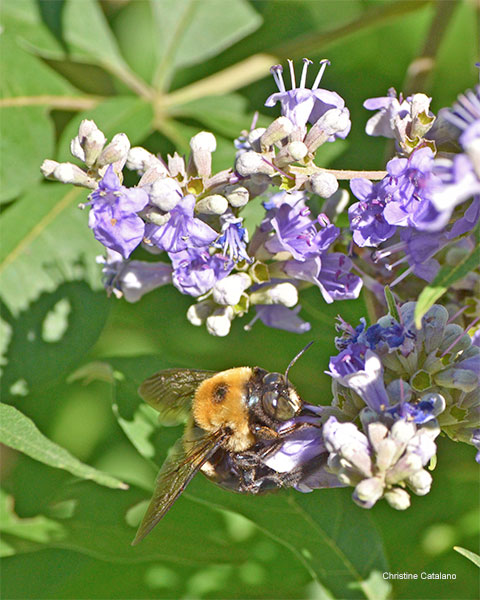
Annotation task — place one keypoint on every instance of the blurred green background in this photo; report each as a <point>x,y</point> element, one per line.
<point>161,71</point>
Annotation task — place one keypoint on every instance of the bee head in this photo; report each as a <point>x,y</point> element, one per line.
<point>275,396</point>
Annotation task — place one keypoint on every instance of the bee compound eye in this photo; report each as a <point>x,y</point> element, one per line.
<point>277,406</point>
<point>271,379</point>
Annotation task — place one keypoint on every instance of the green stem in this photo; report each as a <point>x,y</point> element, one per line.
<point>420,69</point>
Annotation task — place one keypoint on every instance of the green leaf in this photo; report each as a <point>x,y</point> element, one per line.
<point>19,432</point>
<point>122,114</point>
<point>45,242</point>
<point>189,32</point>
<point>39,529</point>
<point>27,136</point>
<point>475,558</point>
<point>445,278</point>
<point>335,540</point>
<point>392,305</point>
<point>27,75</point>
<point>226,114</point>
<point>52,336</point>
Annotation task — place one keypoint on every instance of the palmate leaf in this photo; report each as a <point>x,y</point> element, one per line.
<point>20,433</point>
<point>445,278</point>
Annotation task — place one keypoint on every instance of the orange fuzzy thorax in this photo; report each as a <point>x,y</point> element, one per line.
<point>221,401</point>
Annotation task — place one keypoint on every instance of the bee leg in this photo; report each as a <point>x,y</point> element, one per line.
<point>265,433</point>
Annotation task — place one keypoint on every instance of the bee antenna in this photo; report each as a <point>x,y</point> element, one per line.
<point>294,360</point>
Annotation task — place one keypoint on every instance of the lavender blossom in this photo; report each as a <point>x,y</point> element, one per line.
<point>183,230</point>
<point>113,215</point>
<point>301,105</point>
<point>367,222</point>
<point>405,120</point>
<point>233,239</point>
<point>132,279</point>
<point>195,271</point>
<point>280,317</point>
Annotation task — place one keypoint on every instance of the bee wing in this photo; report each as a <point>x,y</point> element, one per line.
<point>170,392</point>
<point>176,473</point>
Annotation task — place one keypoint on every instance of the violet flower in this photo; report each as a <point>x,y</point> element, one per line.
<point>279,316</point>
<point>183,230</point>
<point>195,271</point>
<point>302,105</point>
<point>367,222</point>
<point>113,215</point>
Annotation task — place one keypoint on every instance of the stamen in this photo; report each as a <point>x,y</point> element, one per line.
<point>457,314</point>
<point>323,66</point>
<point>277,71</point>
<point>303,80</point>
<point>391,266</point>
<point>401,277</point>
<point>474,322</point>
<point>278,169</point>
<point>292,74</point>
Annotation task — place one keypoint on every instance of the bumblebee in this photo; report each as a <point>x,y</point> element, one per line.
<point>236,419</point>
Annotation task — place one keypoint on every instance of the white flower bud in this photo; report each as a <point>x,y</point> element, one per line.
<point>359,458</point>
<point>142,160</point>
<point>93,146</point>
<point>198,313</point>
<point>48,167</point>
<point>70,173</point>
<point>398,498</point>
<point>254,137</point>
<point>405,467</point>
<point>368,491</point>
<point>202,146</point>
<point>324,184</point>
<point>252,163</point>
<point>293,152</point>
<point>220,321</point>
<point>115,152</point>
<point>281,293</point>
<point>403,431</point>
<point>330,123</point>
<point>165,193</point>
<point>420,482</point>
<point>387,454</point>
<point>157,218</point>
<point>89,142</point>
<point>76,149</point>
<point>237,195</point>
<point>229,290</point>
<point>297,150</point>
<point>276,131</point>
<point>377,432</point>
<point>212,205</point>
<point>203,141</point>
<point>152,174</point>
